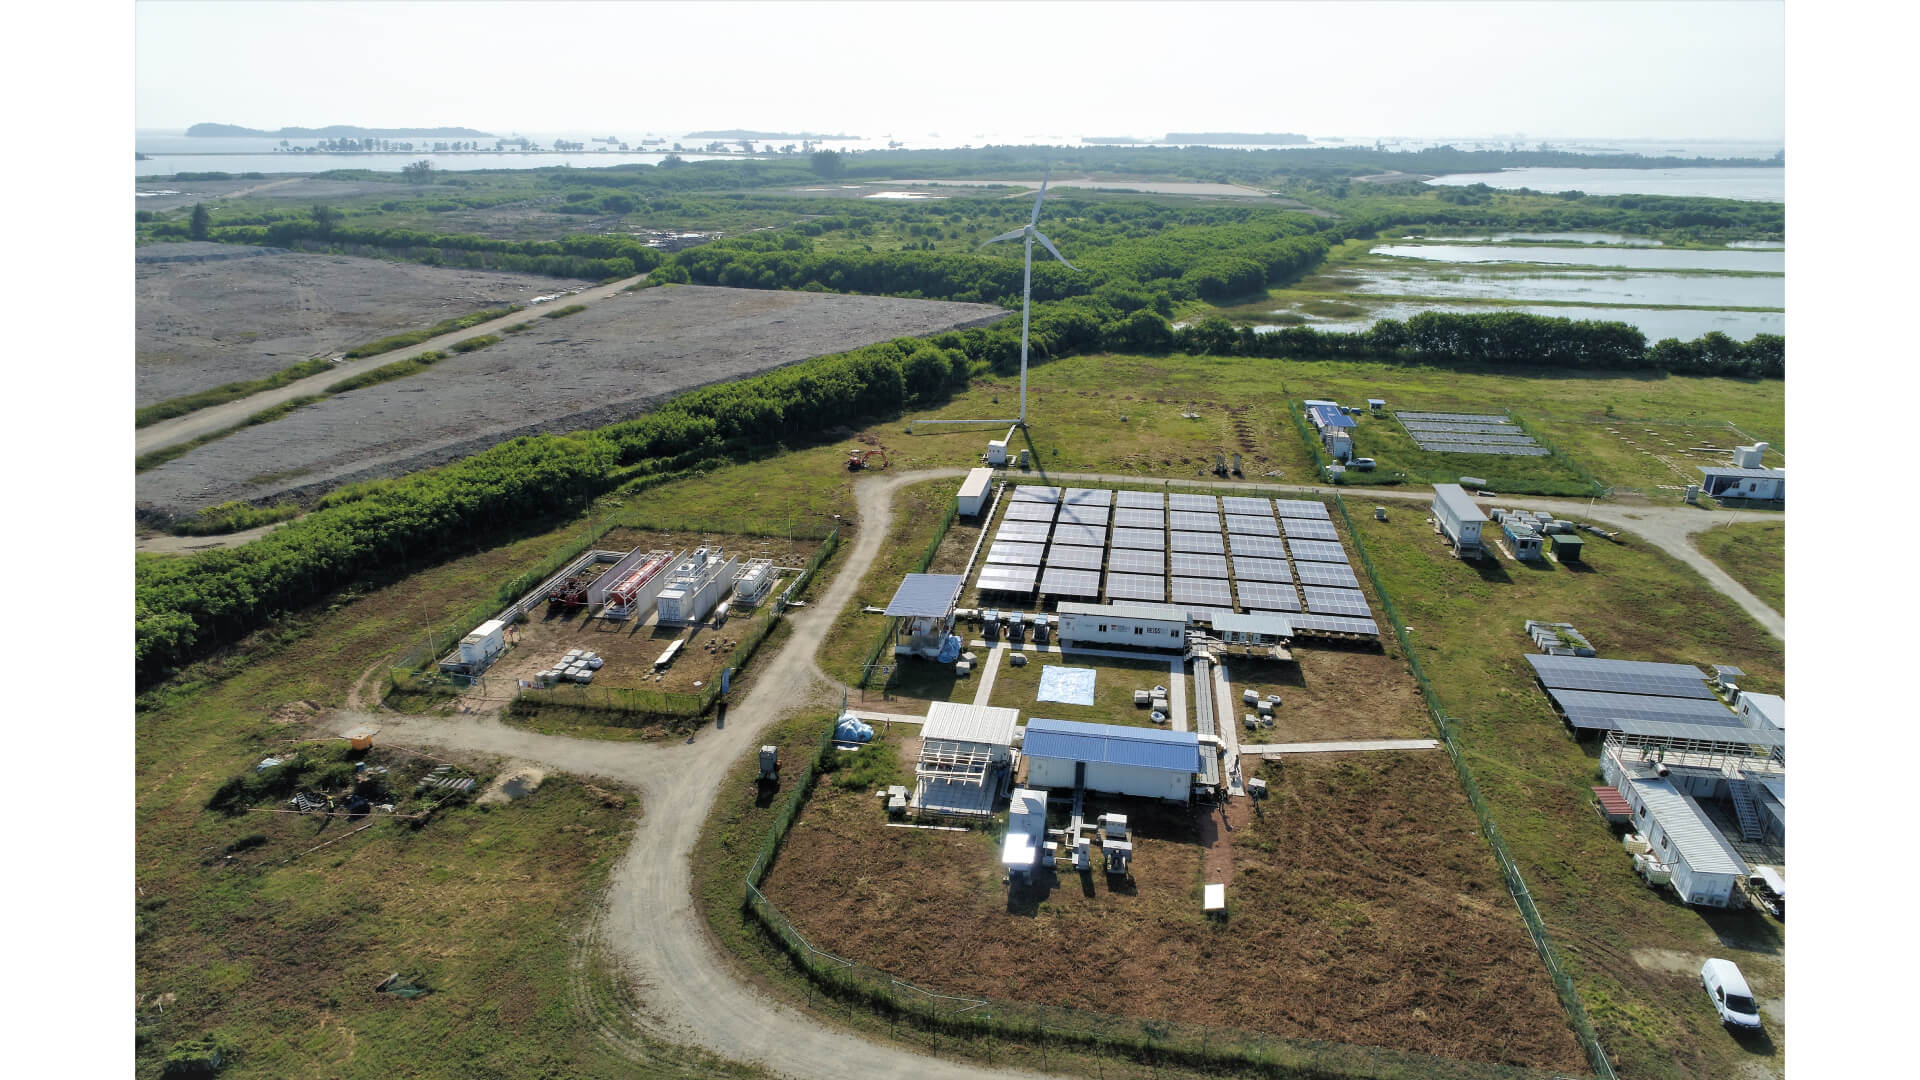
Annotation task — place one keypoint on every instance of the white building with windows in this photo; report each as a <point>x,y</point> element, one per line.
<point>1139,626</point>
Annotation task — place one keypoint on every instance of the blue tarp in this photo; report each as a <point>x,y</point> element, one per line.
<point>1067,685</point>
<point>949,649</point>
<point>853,729</point>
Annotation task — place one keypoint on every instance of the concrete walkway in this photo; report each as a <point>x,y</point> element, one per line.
<point>873,717</point>
<point>987,673</point>
<point>1338,747</point>
<point>1227,729</point>
<point>1177,695</point>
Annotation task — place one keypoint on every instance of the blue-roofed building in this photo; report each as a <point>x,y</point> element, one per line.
<point>1145,762</point>
<point>1334,426</point>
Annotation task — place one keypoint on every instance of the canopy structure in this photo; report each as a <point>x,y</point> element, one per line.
<point>926,595</point>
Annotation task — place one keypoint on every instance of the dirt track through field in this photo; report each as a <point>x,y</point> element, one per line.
<point>687,991</point>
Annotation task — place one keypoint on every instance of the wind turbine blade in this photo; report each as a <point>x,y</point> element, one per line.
<point>1042,196</point>
<point>1048,244</point>
<point>1014,235</point>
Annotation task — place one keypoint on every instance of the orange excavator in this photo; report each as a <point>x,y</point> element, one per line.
<point>863,459</point>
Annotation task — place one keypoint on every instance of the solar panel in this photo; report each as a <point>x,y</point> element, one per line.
<point>1193,521</point>
<point>1202,503</point>
<point>1459,418</point>
<point>1142,539</point>
<point>1145,500</point>
<point>1316,551</point>
<point>1023,531</point>
<point>1324,601</point>
<point>1252,569</point>
<point>1129,517</point>
<point>1268,595</point>
<point>1133,561</point>
<point>1332,575</point>
<point>1512,438</point>
<point>1088,497</point>
<point>1149,587</point>
<point>1241,504</point>
<point>1015,554</point>
<point>1030,493</point>
<point>1087,515</point>
<point>1030,511</point>
<point>1206,543</point>
<point>1241,525</point>
<point>1301,508</point>
<point>1007,578</point>
<point>1464,429</point>
<point>1206,592</point>
<point>1597,711</point>
<point>1065,582</point>
<point>1081,535</point>
<point>1262,547</point>
<point>1337,624</point>
<point>1309,529</point>
<point>1073,558</point>
<point>1483,448</point>
<point>1190,564</point>
<point>1620,676</point>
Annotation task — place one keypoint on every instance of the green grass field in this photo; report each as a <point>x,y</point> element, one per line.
<point>1753,554</point>
<point>1114,682</point>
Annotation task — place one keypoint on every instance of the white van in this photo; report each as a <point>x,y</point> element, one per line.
<point>1731,998</point>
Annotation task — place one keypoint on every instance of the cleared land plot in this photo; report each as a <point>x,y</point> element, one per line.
<point>1114,682</point>
<point>207,314</point>
<point>616,360</point>
<point>1364,908</point>
<point>1754,554</point>
<point>1330,694</point>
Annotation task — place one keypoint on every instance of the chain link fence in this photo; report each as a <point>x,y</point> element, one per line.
<point>870,664</point>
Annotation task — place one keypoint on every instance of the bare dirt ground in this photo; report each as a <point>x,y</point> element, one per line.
<point>1331,693</point>
<point>207,314</point>
<point>169,194</point>
<point>616,360</point>
<point>1363,908</point>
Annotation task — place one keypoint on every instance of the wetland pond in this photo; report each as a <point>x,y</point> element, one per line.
<point>1745,184</point>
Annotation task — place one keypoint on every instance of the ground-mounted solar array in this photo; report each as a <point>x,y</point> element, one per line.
<point>1597,711</point>
<point>1316,551</point>
<point>1211,592</point>
<point>1260,547</point>
<point>1331,575</point>
<point>1141,539</point>
<point>1149,500</point>
<point>1619,676</point>
<point>1074,583</point>
<point>1151,588</point>
<point>1469,433</point>
<point>1268,596</point>
<point>1204,542</point>
<point>1301,508</point>
<point>1244,525</point>
<point>1310,529</point>
<point>1031,511</point>
<point>1073,557</point>
<point>1134,561</point>
<point>1067,532</point>
<point>1133,517</point>
<point>1325,601</point>
<point>1247,568</point>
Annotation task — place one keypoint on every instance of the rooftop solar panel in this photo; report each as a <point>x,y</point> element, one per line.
<point>1247,568</point>
<point>1324,601</point>
<point>1023,531</point>
<point>1332,575</point>
<point>1268,596</point>
<point>1065,582</point>
<point>1080,535</point>
<point>1088,497</point>
<point>1134,561</point>
<point>1141,539</point>
<point>1073,558</point>
<point>1597,711</point>
<point>1193,564</point>
<point>1146,500</point>
<point>1263,547</point>
<point>1309,529</point>
<point>1086,515</point>
<point>1242,504</point>
<point>1205,592</point>
<point>1031,493</point>
<point>1015,554</point>
<point>1301,508</point>
<point>1193,521</point>
<point>1007,578</point>
<point>1149,587</point>
<point>1337,624</point>
<point>1131,517</point>
<point>1209,504</point>
<point>1030,511</point>
<point>1316,551</point>
<point>1620,676</point>
<point>1207,543</point>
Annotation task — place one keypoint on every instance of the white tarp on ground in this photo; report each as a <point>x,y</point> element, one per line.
<point>1067,685</point>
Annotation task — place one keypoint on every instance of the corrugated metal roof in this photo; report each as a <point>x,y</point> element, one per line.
<point>1768,474</point>
<point>1276,625</point>
<point>1771,706</point>
<point>1160,612</point>
<point>1145,748</point>
<point>970,723</point>
<point>1723,734</point>
<point>1688,829</point>
<point>1455,498</point>
<point>926,594</point>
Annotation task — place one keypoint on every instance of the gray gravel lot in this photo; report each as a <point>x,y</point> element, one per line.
<point>619,358</point>
<point>207,314</point>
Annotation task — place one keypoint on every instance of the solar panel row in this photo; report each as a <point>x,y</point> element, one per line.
<point>1068,532</point>
<point>1015,553</point>
<point>1316,551</point>
<point>1030,511</point>
<point>1301,508</point>
<point>1130,561</point>
<point>995,578</point>
<point>1149,500</point>
<point>1074,558</point>
<point>1483,448</point>
<point>1417,427</point>
<point>1241,525</point>
<point>1088,497</point>
<point>1203,591</point>
<point>1208,543</point>
<point>1464,418</point>
<point>1128,517</point>
<point>1620,676</point>
<point>1332,575</point>
<point>1151,588</point>
<point>1025,531</point>
<point>1324,601</point>
<point>1065,582</point>
<point>1337,624</point>
<point>1193,521</point>
<point>1310,529</point>
<point>1601,711</point>
<point>1242,504</point>
<point>1031,493</point>
<point>1252,569</point>
<point>1189,564</point>
<point>1516,438</point>
<point>1142,539</point>
<point>1203,503</point>
<point>1260,547</point>
<point>1268,595</point>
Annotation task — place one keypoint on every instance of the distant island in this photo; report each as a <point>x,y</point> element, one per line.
<point>741,133</point>
<point>1238,138</point>
<point>337,131</point>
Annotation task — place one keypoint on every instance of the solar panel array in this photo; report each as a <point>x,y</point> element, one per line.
<point>1073,558</point>
<point>1241,504</point>
<point>1332,575</point>
<point>1301,508</point>
<point>1133,561</point>
<point>1015,553</point>
<point>1132,517</point>
<point>1336,624</point>
<point>1620,676</point>
<point>1260,547</point>
<point>1252,569</point>
<point>1243,525</point>
<point>1149,587</point>
<point>1310,529</point>
<point>1085,515</point>
<point>1193,521</point>
<point>1469,433</point>
<point>1207,543</point>
<point>1188,564</point>
<point>999,578</point>
<point>1064,582</point>
<point>1317,551</point>
<point>1207,592</point>
<point>1141,539</point>
<point>1268,596</point>
<point>1088,496</point>
<point>1148,500</point>
<point>1081,535</point>
<point>1324,601</point>
<point>1030,511</point>
<point>1207,504</point>
<point>1030,493</point>
<point>1033,532</point>
<point>1597,711</point>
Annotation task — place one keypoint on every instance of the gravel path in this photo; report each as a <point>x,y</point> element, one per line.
<point>623,356</point>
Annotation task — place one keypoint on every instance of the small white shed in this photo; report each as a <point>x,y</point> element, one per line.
<point>1143,626</point>
<point>1705,867</point>
<point>973,492</point>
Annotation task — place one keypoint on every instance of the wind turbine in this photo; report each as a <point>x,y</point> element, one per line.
<point>1030,234</point>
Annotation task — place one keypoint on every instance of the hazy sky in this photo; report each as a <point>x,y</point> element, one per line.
<point>1618,69</point>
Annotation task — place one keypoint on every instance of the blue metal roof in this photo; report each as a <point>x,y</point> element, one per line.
<point>1145,748</point>
<point>926,594</point>
<point>1329,416</point>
